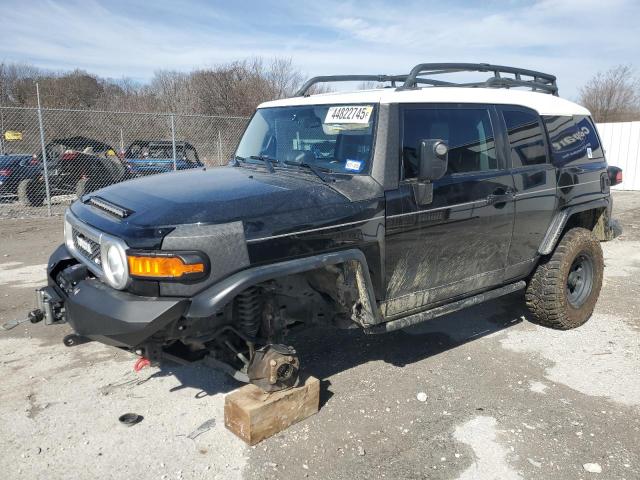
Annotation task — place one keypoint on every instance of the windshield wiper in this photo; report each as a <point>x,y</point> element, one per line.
<point>266,160</point>
<point>312,168</point>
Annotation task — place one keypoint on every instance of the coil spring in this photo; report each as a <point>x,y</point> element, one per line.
<point>248,311</point>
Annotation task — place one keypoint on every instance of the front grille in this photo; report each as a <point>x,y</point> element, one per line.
<point>87,247</point>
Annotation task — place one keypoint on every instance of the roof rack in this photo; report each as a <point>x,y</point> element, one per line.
<point>536,81</point>
<point>349,78</point>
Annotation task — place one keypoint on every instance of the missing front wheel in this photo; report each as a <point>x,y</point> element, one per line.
<point>274,367</point>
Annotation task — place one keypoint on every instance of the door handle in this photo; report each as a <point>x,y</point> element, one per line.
<point>500,197</point>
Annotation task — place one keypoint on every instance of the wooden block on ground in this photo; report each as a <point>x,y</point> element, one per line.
<point>254,415</point>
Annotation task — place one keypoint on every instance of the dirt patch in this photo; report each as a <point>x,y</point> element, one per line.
<point>69,417</point>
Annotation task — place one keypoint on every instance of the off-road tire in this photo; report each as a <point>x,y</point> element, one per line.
<point>547,295</point>
<point>31,192</point>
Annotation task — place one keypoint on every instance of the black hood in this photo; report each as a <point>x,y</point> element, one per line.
<point>217,195</point>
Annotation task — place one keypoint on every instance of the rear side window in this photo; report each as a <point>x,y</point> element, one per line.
<point>190,155</point>
<point>467,131</point>
<point>572,139</point>
<point>525,138</point>
<point>585,125</point>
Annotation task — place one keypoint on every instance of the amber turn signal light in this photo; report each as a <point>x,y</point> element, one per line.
<point>163,266</point>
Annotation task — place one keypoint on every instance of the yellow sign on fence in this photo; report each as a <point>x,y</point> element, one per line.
<point>12,136</point>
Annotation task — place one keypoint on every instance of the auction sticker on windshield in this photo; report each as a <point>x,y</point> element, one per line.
<point>349,114</point>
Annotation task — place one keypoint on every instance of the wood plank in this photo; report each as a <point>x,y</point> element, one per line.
<point>254,415</point>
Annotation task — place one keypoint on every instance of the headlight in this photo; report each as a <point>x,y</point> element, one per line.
<point>114,263</point>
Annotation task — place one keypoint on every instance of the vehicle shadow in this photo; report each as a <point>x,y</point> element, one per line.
<point>325,351</point>
<point>341,350</point>
<point>206,380</point>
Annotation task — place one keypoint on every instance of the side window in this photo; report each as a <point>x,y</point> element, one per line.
<point>572,139</point>
<point>190,155</point>
<point>134,151</point>
<point>525,137</point>
<point>467,131</point>
<point>585,126</point>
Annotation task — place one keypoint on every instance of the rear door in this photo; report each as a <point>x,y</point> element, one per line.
<point>535,185</point>
<point>458,242</point>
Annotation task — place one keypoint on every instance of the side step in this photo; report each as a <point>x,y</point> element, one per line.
<point>445,309</point>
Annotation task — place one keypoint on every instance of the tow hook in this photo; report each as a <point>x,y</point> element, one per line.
<point>50,306</point>
<point>141,363</point>
<point>74,340</point>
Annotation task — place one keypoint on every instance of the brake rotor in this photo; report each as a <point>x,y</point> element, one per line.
<point>274,367</point>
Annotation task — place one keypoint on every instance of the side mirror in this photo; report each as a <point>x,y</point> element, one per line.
<point>433,157</point>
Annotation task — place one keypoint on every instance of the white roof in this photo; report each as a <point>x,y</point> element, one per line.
<point>543,103</point>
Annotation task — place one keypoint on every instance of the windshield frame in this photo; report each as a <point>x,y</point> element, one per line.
<point>281,164</point>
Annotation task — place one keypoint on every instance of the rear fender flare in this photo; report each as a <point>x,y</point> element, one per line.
<point>560,219</point>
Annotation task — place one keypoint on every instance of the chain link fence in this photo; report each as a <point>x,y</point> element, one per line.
<point>50,157</point>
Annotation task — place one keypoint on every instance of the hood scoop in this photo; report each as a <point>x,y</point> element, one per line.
<point>109,207</point>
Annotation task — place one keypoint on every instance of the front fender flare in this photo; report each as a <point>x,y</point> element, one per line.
<point>213,300</point>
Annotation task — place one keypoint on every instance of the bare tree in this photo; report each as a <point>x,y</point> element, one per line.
<point>233,89</point>
<point>10,75</point>
<point>171,89</point>
<point>613,96</point>
<point>283,77</point>
<point>237,88</point>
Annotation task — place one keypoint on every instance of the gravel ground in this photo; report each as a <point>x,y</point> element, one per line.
<point>481,394</point>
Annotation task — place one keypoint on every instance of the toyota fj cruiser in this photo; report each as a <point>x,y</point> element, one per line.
<point>376,209</point>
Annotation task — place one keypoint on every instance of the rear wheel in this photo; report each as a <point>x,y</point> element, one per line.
<point>563,290</point>
<point>31,192</point>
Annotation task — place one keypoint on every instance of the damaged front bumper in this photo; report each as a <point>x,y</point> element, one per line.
<point>98,312</point>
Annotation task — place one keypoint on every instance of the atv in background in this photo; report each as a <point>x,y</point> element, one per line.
<point>147,157</point>
<point>75,166</point>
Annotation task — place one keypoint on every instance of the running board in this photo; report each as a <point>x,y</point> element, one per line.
<point>445,309</point>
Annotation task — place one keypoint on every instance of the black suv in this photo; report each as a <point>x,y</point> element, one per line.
<point>75,166</point>
<point>378,209</point>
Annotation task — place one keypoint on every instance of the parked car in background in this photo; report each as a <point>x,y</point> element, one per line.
<point>75,166</point>
<point>148,157</point>
<point>14,169</point>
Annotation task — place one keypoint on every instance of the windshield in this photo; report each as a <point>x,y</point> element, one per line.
<point>336,138</point>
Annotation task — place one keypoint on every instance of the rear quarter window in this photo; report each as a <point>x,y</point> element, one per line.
<point>572,139</point>
<point>585,125</point>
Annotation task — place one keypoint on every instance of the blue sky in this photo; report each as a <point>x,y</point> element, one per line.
<point>570,38</point>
